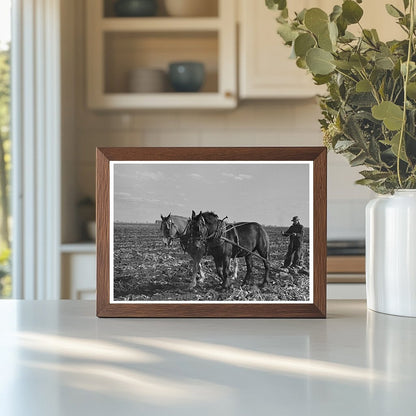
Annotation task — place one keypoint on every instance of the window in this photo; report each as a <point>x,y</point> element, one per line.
<point>5,147</point>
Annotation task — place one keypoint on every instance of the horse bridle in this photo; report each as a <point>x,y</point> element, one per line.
<point>217,233</point>
<point>170,225</point>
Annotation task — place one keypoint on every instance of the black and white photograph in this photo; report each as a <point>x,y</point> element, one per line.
<point>211,231</point>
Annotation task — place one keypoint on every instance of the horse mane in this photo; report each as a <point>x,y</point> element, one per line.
<point>210,217</point>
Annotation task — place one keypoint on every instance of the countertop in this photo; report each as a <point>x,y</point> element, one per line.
<point>57,358</point>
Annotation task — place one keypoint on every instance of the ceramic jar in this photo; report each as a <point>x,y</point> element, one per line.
<point>147,80</point>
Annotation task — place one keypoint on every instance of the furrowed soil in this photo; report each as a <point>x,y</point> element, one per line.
<point>146,270</point>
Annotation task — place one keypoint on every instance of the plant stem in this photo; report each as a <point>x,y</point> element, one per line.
<point>346,75</point>
<point>406,80</point>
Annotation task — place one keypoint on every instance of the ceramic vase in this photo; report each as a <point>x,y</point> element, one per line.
<point>391,253</point>
<point>186,76</point>
<point>135,8</point>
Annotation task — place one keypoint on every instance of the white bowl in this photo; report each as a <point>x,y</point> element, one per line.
<point>147,80</point>
<point>191,8</point>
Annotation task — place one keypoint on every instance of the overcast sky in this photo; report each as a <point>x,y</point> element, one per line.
<point>270,194</point>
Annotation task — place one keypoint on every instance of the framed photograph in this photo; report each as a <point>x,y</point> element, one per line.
<point>211,232</point>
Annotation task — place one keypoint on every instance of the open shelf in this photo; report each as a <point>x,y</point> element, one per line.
<point>87,247</point>
<point>210,7</point>
<point>160,24</point>
<point>167,100</point>
<point>127,51</point>
<point>116,46</point>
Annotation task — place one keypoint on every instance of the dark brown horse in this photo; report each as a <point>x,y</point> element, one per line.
<point>177,227</point>
<point>228,241</point>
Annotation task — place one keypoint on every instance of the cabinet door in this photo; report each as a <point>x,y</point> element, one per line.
<point>265,68</point>
<point>78,276</point>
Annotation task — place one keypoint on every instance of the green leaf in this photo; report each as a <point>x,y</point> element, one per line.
<point>368,36</point>
<point>319,61</point>
<point>411,90</point>
<point>336,12</point>
<point>343,145</point>
<point>276,4</point>
<point>344,65</point>
<point>301,15</point>
<point>358,61</point>
<point>358,160</point>
<point>412,67</point>
<point>388,112</point>
<point>301,63</point>
<point>321,79</point>
<point>303,43</point>
<point>393,11</point>
<point>351,11</point>
<point>374,175</point>
<point>287,33</point>
<point>347,38</point>
<point>375,35</point>
<point>316,20</point>
<point>354,132</point>
<point>362,99</point>
<point>363,86</point>
<point>342,25</point>
<point>384,62</point>
<point>374,150</point>
<point>394,145</point>
<point>333,32</point>
<point>365,182</point>
<point>325,42</point>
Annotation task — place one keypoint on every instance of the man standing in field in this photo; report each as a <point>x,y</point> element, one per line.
<point>294,250</point>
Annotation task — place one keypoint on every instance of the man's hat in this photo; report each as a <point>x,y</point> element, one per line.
<point>295,218</point>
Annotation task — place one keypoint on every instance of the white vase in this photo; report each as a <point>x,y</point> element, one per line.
<point>391,253</point>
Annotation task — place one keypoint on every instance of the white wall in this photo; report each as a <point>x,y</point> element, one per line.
<point>255,123</point>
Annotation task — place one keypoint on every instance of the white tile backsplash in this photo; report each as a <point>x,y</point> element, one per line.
<point>257,123</point>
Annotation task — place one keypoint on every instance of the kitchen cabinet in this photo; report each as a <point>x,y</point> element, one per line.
<point>78,262</point>
<point>265,70</point>
<point>118,45</point>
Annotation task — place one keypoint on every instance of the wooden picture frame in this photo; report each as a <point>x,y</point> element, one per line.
<point>314,157</point>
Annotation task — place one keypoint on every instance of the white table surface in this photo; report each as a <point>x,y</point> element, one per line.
<point>57,358</point>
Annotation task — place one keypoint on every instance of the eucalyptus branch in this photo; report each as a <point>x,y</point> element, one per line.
<point>373,88</point>
<point>346,75</point>
<point>406,80</point>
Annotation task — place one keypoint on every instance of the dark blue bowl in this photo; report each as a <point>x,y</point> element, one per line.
<point>186,76</point>
<point>135,8</point>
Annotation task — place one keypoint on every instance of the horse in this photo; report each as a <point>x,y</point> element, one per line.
<point>177,227</point>
<point>229,241</point>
